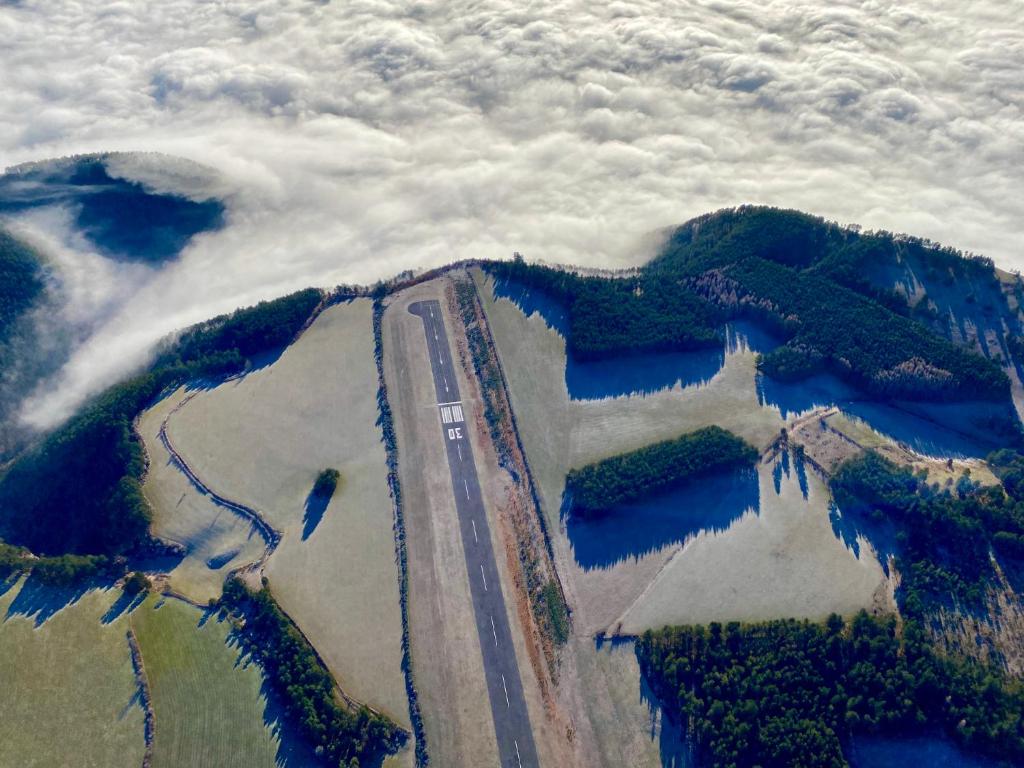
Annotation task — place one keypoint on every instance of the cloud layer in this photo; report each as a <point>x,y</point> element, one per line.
<point>361,138</point>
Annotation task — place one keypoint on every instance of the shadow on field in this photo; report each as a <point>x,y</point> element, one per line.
<point>125,603</point>
<point>7,583</point>
<point>39,601</point>
<point>674,749</point>
<point>316,505</point>
<point>632,531</point>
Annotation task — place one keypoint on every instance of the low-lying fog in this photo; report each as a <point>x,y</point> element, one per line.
<point>356,139</point>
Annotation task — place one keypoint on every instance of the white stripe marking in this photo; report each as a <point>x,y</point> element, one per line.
<point>460,451</point>
<point>483,576</point>
<point>494,632</point>
<point>474,531</point>
<point>465,482</point>
<point>457,413</point>
<point>517,753</point>
<point>507,702</point>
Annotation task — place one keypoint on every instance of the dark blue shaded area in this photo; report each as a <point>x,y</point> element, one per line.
<point>926,431</point>
<point>899,752</point>
<point>121,218</point>
<point>316,505</point>
<point>640,374</point>
<point>636,529</point>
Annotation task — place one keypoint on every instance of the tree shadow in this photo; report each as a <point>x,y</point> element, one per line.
<point>293,750</point>
<point>711,503</point>
<point>625,374</point>
<point>8,582</point>
<point>125,603</point>
<point>316,505</point>
<point>675,748</point>
<point>39,601</point>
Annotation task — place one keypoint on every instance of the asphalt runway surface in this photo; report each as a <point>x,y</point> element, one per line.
<point>516,747</point>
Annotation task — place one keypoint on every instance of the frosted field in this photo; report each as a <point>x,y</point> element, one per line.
<point>261,440</point>
<point>207,702</point>
<point>216,539</point>
<point>70,697</point>
<point>783,561</point>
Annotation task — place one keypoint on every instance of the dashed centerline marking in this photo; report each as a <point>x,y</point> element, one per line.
<point>459,447</point>
<point>465,482</point>
<point>494,632</point>
<point>507,702</point>
<point>517,753</point>
<point>483,576</point>
<point>474,533</point>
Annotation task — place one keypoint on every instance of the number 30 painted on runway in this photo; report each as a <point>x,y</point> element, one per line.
<point>455,433</point>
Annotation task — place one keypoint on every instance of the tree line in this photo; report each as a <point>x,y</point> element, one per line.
<point>808,279</point>
<point>622,316</point>
<point>629,476</point>
<point>340,735</point>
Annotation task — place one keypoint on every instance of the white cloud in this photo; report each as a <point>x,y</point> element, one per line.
<point>360,138</point>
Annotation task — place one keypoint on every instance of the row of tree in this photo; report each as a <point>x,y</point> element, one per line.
<point>792,693</point>
<point>629,476</point>
<point>61,570</point>
<point>342,736</point>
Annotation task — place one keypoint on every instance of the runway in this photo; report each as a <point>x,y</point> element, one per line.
<point>516,748</point>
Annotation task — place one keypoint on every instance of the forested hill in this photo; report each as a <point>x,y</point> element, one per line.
<point>20,283</point>
<point>819,285</point>
<point>79,490</point>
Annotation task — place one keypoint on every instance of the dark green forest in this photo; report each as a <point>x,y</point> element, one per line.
<point>630,476</point>
<point>791,693</point>
<point>79,490</point>
<point>342,736</point>
<point>21,282</point>
<point>942,535</point>
<point>622,316</point>
<point>803,277</point>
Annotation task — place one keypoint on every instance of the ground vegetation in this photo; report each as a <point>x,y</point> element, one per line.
<point>79,490</point>
<point>630,476</point>
<point>787,693</point>
<point>343,736</point>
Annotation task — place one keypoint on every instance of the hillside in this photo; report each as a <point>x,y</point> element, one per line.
<point>760,464</point>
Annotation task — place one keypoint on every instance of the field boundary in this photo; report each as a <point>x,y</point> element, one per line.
<point>145,695</point>
<point>270,534</point>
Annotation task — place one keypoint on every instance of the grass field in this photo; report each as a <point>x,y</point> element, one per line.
<point>262,440</point>
<point>217,540</point>
<point>786,560</point>
<point>69,694</point>
<point>208,706</point>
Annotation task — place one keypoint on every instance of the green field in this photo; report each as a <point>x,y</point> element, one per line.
<point>207,704</point>
<point>69,691</point>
